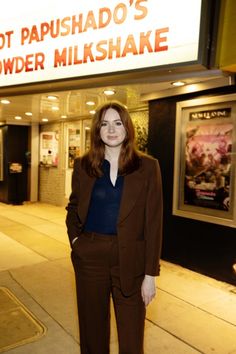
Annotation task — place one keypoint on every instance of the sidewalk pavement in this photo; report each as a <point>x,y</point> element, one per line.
<point>191,313</point>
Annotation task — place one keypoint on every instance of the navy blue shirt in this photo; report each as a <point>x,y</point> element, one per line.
<point>105,203</point>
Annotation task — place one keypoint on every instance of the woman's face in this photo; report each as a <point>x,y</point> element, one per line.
<point>112,130</point>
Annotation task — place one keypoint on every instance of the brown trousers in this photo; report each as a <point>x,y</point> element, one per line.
<point>95,261</point>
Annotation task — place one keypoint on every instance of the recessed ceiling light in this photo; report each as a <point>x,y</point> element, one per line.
<point>92,112</point>
<point>90,103</point>
<point>109,92</point>
<point>45,120</point>
<point>52,97</point>
<point>63,116</point>
<point>18,117</point>
<point>5,101</point>
<point>29,114</point>
<point>55,108</point>
<point>178,83</point>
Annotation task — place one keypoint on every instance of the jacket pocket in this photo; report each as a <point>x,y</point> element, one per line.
<point>81,246</point>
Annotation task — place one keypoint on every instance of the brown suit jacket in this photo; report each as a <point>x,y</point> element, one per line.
<point>139,227</point>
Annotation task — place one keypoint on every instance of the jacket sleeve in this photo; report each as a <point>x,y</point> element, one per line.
<point>72,218</point>
<point>154,220</point>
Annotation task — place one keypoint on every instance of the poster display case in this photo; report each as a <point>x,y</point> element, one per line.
<point>1,156</point>
<point>78,140</point>
<point>74,144</point>
<point>49,148</point>
<point>204,171</point>
<point>77,137</point>
<point>86,134</point>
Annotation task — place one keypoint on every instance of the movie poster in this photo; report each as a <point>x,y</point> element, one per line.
<point>49,148</point>
<point>1,156</point>
<point>73,145</point>
<point>208,164</point>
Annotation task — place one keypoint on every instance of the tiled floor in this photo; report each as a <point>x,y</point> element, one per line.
<point>191,313</point>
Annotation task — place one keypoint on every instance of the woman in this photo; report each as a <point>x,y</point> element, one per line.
<point>114,223</point>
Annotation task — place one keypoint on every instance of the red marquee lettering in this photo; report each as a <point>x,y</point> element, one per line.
<point>88,52</point>
<point>159,40</point>
<point>145,42</point>
<point>101,50</point>
<point>90,21</point>
<point>5,39</point>
<point>120,18</point>
<point>104,21</point>
<point>130,46</point>
<point>142,9</point>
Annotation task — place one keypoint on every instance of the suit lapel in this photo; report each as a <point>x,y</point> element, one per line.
<point>133,184</point>
<point>86,186</point>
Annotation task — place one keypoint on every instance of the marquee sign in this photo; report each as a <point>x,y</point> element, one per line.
<point>56,40</point>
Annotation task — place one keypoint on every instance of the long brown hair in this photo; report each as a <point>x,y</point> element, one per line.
<point>129,158</point>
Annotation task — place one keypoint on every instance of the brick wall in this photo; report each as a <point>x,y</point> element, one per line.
<point>52,179</point>
<point>52,185</point>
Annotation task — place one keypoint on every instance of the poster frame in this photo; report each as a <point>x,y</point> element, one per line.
<point>49,145</point>
<point>192,208</point>
<point>1,155</point>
